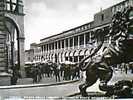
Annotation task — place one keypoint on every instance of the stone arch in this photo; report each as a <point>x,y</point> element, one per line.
<point>18,21</point>
<point>79,52</point>
<point>20,41</point>
<point>9,22</point>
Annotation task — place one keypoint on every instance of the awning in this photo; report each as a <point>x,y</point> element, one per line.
<point>63,54</point>
<point>82,53</point>
<point>67,53</point>
<point>52,55</point>
<point>60,55</point>
<point>72,53</point>
<point>76,53</point>
<point>87,52</point>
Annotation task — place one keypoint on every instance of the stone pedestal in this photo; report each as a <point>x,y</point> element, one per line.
<point>5,79</point>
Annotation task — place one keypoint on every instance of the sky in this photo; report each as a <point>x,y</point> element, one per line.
<point>44,18</point>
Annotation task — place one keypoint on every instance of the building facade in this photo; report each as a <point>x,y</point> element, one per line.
<point>29,54</point>
<point>79,42</point>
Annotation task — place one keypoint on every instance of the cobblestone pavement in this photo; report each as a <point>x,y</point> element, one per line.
<point>57,90</point>
<point>44,80</point>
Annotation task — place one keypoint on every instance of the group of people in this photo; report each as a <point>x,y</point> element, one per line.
<point>50,70</point>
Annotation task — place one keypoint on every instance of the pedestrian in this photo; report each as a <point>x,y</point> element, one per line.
<point>61,69</point>
<point>34,74</point>
<point>65,72</point>
<point>39,74</point>
<point>56,69</point>
<point>15,76</point>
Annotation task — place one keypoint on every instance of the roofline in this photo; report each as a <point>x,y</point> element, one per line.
<point>82,24</point>
<point>66,31</point>
<point>89,29</point>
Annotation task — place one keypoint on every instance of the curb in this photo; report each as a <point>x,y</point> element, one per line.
<point>36,85</point>
<point>90,94</point>
<point>74,94</point>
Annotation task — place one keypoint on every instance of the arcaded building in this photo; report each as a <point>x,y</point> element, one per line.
<point>78,42</point>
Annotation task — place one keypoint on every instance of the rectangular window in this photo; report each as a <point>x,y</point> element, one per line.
<point>71,42</point>
<point>52,46</point>
<point>42,48</point>
<point>82,39</point>
<point>102,17</point>
<point>66,42</point>
<point>76,41</point>
<point>62,43</point>
<point>55,45</point>
<point>59,46</point>
<point>92,35</point>
<point>87,38</point>
<point>47,47</point>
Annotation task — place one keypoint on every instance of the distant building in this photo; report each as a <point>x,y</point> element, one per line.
<point>76,43</point>
<point>29,54</point>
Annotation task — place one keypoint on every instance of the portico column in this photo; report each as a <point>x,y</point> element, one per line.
<point>73,42</point>
<point>54,46</point>
<point>84,40</point>
<point>78,46</point>
<point>21,55</point>
<point>49,51</point>
<point>68,48</point>
<point>61,44</point>
<point>43,52</point>
<point>54,51</point>
<point>57,45</point>
<point>68,43</point>
<point>64,44</point>
<point>48,48</point>
<point>78,42</point>
<point>46,51</point>
<point>90,37</point>
<point>61,50</point>
<point>73,48</point>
